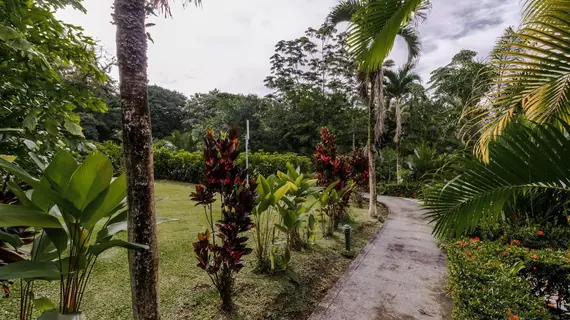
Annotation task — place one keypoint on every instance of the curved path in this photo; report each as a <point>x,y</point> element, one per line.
<point>399,275</point>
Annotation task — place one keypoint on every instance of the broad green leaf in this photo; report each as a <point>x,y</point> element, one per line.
<point>30,122</point>
<point>38,187</point>
<point>43,248</point>
<point>279,193</point>
<point>51,127</point>
<point>73,128</point>
<point>21,195</point>
<point>61,169</point>
<point>12,239</point>
<point>104,204</point>
<point>58,237</point>
<point>8,158</point>
<point>26,269</point>
<point>282,228</point>
<point>18,215</point>
<point>98,248</point>
<point>37,161</point>
<point>91,178</point>
<point>8,33</point>
<point>44,304</point>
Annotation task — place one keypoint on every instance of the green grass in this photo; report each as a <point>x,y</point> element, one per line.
<point>186,291</point>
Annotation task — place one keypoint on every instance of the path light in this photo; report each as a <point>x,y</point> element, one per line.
<point>347,229</point>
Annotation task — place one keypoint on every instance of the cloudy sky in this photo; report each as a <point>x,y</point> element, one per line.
<point>226,44</point>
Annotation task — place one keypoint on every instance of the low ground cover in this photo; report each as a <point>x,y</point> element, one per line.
<point>186,291</point>
<point>521,274</point>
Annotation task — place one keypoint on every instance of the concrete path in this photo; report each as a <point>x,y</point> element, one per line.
<point>400,275</point>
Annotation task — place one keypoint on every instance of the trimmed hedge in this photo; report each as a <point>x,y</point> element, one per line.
<point>188,166</point>
<point>403,190</point>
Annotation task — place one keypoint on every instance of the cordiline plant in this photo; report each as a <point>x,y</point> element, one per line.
<point>222,261</point>
<point>335,170</point>
<point>64,206</point>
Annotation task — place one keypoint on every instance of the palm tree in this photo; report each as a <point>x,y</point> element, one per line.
<point>399,86</point>
<point>370,44</point>
<point>131,41</point>
<point>530,158</point>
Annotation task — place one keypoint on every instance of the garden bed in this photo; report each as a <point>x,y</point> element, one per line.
<point>502,278</point>
<point>186,291</point>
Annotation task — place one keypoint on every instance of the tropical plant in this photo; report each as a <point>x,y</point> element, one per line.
<point>374,26</point>
<point>265,217</point>
<point>182,141</point>
<point>237,200</point>
<point>296,207</point>
<point>80,196</point>
<point>333,169</point>
<point>531,72</point>
<point>39,104</point>
<point>399,87</point>
<point>333,206</point>
<point>527,158</point>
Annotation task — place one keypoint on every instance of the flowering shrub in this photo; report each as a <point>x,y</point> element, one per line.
<point>503,280</point>
<point>237,198</point>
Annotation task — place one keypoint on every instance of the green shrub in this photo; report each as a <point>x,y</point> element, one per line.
<point>486,283</point>
<point>178,165</point>
<point>403,190</point>
<point>188,166</point>
<point>532,237</point>
<point>115,154</point>
<point>266,164</point>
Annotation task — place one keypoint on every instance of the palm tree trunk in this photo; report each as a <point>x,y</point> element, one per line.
<point>371,162</point>
<point>397,135</point>
<point>137,139</point>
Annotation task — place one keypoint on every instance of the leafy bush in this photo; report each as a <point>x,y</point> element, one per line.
<point>266,163</point>
<point>189,166</point>
<point>533,237</point>
<point>484,284</point>
<point>404,190</point>
<point>115,154</point>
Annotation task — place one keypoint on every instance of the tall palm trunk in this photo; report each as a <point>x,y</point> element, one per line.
<point>397,135</point>
<point>137,139</point>
<point>371,157</point>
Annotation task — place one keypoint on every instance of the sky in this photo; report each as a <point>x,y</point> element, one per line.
<point>226,44</point>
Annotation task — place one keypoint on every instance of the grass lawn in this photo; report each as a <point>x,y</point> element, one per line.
<point>186,291</point>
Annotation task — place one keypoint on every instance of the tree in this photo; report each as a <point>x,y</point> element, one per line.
<point>370,44</point>
<point>399,86</point>
<point>131,41</point>
<point>166,108</point>
<point>38,102</point>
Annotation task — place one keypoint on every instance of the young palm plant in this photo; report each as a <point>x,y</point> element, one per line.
<point>64,206</point>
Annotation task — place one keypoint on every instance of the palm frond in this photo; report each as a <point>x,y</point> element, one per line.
<point>532,70</point>
<point>374,29</point>
<point>164,5</point>
<point>411,36</point>
<point>343,11</point>
<point>526,157</point>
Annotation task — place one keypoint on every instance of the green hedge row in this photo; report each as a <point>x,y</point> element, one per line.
<point>504,280</point>
<point>188,166</point>
<point>403,190</point>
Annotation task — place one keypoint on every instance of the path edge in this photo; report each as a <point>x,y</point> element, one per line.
<point>322,307</point>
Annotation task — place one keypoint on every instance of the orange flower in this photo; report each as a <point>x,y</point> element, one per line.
<point>515,242</point>
<point>549,249</point>
<point>534,256</point>
<point>540,233</point>
<point>475,239</point>
<point>512,316</point>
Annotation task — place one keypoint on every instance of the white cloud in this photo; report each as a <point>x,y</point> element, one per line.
<point>226,44</point>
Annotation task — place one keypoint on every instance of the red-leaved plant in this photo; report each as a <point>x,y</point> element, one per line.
<point>237,197</point>
<point>330,169</point>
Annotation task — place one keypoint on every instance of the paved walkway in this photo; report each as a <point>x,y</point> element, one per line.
<point>400,275</point>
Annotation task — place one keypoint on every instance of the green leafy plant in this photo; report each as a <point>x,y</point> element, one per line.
<point>296,207</point>
<point>64,206</point>
<point>333,206</point>
<point>527,158</point>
